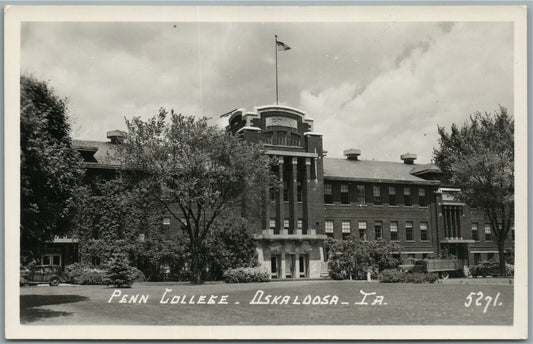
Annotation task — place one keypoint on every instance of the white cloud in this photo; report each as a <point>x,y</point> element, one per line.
<point>455,74</point>
<point>381,87</point>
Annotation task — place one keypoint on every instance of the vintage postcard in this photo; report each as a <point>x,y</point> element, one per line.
<point>183,172</point>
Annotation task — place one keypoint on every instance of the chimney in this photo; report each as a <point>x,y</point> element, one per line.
<point>116,136</point>
<point>352,153</point>
<point>408,158</point>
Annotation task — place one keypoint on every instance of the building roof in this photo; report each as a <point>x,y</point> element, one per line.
<point>383,171</point>
<point>104,155</point>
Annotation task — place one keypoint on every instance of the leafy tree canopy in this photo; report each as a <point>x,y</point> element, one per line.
<point>353,258</point>
<point>478,158</point>
<point>50,167</point>
<point>196,172</point>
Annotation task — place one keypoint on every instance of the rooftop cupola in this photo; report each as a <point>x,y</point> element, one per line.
<point>116,136</point>
<point>408,158</point>
<point>352,154</point>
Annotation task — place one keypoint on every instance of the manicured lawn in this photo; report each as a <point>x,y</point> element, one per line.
<point>403,304</point>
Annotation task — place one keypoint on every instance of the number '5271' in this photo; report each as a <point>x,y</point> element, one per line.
<point>477,300</point>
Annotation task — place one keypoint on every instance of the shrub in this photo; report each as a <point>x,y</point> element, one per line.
<point>394,276</point>
<point>337,275</point>
<point>246,275</point>
<point>509,270</point>
<point>138,275</point>
<point>120,274</point>
<point>422,277</point>
<point>353,258</point>
<point>83,274</point>
<point>391,276</point>
<point>230,245</point>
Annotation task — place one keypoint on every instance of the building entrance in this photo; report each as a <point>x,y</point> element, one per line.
<point>295,266</point>
<point>304,263</point>
<point>274,266</point>
<point>289,266</point>
<point>460,251</point>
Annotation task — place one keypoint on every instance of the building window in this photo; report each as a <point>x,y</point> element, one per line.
<point>345,195</point>
<point>487,232</point>
<point>285,223</point>
<point>452,221</point>
<point>378,230</point>
<point>299,191</point>
<point>300,223</point>
<point>328,228</point>
<point>424,231</point>
<point>51,259</point>
<point>361,199</point>
<point>346,229</point>
<point>477,258</point>
<point>490,256</point>
<point>394,231</point>
<point>475,232</point>
<point>166,221</point>
<point>272,224</point>
<point>267,138</point>
<point>285,191</point>
<point>328,194</point>
<point>377,195</point>
<point>295,140</point>
<point>392,196</point>
<point>409,231</point>
<point>407,197</point>
<point>142,237</point>
<point>362,230</point>
<point>422,201</point>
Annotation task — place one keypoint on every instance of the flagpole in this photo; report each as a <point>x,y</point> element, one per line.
<point>276,51</point>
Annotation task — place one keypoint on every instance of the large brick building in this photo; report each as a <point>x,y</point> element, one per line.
<point>323,197</point>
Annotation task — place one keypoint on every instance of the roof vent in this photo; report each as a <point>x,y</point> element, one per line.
<point>352,153</point>
<point>408,158</point>
<point>116,136</point>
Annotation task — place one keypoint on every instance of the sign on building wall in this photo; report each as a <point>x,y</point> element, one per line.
<point>281,122</point>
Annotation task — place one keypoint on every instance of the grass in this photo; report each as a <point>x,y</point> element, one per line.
<point>406,304</point>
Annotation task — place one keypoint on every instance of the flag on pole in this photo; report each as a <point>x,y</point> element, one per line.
<point>227,113</point>
<point>282,46</point>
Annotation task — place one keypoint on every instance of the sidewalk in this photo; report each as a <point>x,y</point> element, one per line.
<point>487,280</point>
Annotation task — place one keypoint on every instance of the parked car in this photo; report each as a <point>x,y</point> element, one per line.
<point>52,275</point>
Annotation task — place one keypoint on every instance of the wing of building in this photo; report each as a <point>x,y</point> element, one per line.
<point>321,197</point>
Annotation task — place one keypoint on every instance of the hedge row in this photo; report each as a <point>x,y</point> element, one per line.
<point>394,276</point>
<point>246,275</point>
<point>86,275</point>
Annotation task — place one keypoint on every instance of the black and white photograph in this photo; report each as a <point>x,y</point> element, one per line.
<point>266,172</point>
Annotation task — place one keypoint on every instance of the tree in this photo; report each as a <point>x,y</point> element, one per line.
<point>120,274</point>
<point>194,171</point>
<point>230,245</point>
<point>50,168</point>
<point>353,258</point>
<point>479,159</point>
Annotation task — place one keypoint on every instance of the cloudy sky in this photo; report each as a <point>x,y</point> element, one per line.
<point>379,87</point>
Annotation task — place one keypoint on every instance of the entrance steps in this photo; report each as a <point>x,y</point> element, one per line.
<point>324,272</point>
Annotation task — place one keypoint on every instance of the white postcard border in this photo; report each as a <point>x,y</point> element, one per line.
<point>14,15</point>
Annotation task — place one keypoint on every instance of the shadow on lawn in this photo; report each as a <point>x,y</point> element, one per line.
<point>29,303</point>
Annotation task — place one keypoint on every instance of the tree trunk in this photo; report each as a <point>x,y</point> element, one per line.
<point>501,255</point>
<point>196,266</point>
